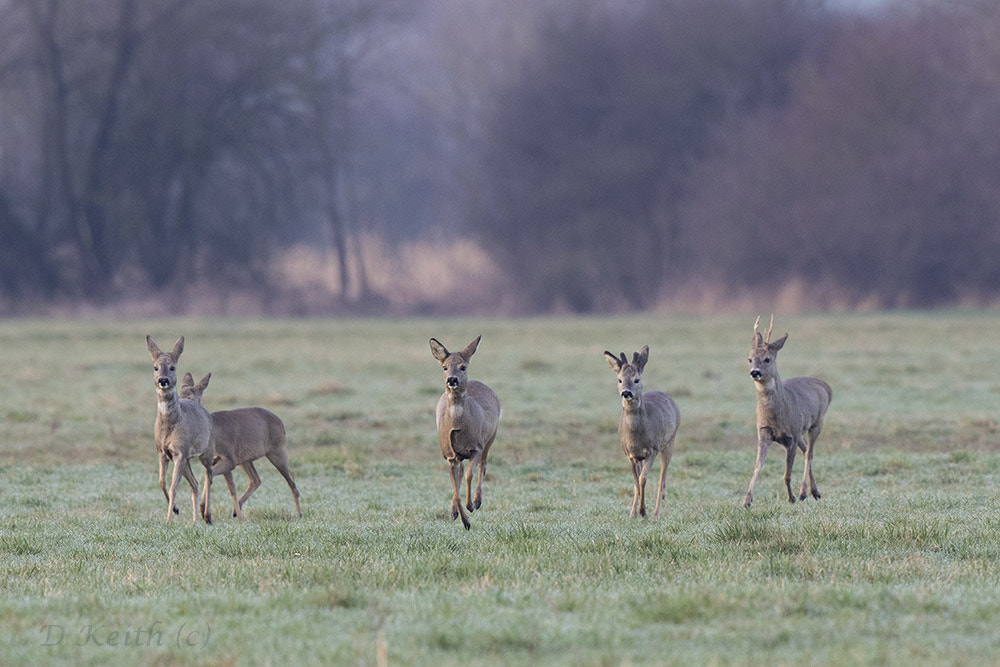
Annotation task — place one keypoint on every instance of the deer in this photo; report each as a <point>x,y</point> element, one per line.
<point>182,431</point>
<point>468,416</point>
<point>647,426</point>
<point>241,437</point>
<point>789,412</point>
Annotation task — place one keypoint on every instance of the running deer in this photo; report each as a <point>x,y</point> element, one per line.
<point>241,437</point>
<point>468,414</point>
<point>789,412</point>
<point>647,426</point>
<point>183,430</point>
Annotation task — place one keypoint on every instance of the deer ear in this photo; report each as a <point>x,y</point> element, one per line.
<point>778,344</point>
<point>642,357</point>
<point>178,348</point>
<point>154,349</point>
<point>471,348</point>
<point>614,363</point>
<point>187,380</point>
<point>439,351</point>
<point>203,384</point>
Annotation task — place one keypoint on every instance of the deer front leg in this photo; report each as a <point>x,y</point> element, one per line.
<point>189,476</point>
<point>223,466</point>
<point>789,460</point>
<point>456,483</point>
<point>634,466</point>
<point>469,503</point>
<point>163,484</point>
<point>179,466</point>
<point>762,446</point>
<point>644,472</point>
<point>206,495</point>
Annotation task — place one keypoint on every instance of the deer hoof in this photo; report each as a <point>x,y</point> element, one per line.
<point>479,503</point>
<point>175,510</point>
<point>816,495</point>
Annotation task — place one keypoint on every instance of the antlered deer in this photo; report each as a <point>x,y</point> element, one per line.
<point>647,426</point>
<point>789,412</point>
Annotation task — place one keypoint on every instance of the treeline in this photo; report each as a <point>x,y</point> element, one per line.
<point>608,155</point>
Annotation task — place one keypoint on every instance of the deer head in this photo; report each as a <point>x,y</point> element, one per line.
<point>454,364</point>
<point>629,374</point>
<point>764,354</point>
<point>165,364</point>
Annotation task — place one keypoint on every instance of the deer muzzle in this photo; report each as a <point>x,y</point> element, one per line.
<point>452,381</point>
<point>163,382</point>
<point>627,395</point>
<point>756,374</point>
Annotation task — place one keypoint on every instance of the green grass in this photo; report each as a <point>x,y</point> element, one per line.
<point>898,563</point>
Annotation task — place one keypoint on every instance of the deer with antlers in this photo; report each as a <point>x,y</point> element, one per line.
<point>789,412</point>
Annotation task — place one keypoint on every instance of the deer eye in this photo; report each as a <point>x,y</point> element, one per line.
<point>461,368</point>
<point>156,368</point>
<point>767,360</point>
<point>635,381</point>
<point>173,368</point>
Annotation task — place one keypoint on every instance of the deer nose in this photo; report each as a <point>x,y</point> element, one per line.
<point>755,374</point>
<point>627,394</point>
<point>163,382</point>
<point>452,381</point>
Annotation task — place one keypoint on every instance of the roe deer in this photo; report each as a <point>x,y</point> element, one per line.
<point>183,430</point>
<point>647,426</point>
<point>468,414</point>
<point>242,436</point>
<point>787,411</point>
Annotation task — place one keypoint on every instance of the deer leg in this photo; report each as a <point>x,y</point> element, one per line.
<point>252,485</point>
<point>279,459</point>
<point>223,466</point>
<point>181,470</point>
<point>664,462</point>
<point>163,484</point>
<point>789,460</point>
<point>456,483</point>
<point>808,474</point>
<point>634,465</point>
<point>206,494</point>
<point>647,463</point>
<point>474,462</point>
<point>761,455</point>
<point>478,500</point>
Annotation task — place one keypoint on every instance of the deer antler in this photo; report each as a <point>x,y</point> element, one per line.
<point>769,329</point>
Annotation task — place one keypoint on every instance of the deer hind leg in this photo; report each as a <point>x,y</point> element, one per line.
<point>279,459</point>
<point>807,475</point>
<point>477,501</point>
<point>252,485</point>
<point>761,455</point>
<point>456,483</point>
<point>665,456</point>
<point>474,462</point>
<point>789,460</point>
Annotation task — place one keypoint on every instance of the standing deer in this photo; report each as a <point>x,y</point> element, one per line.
<point>183,430</point>
<point>468,414</point>
<point>787,411</point>
<point>647,426</point>
<point>241,437</point>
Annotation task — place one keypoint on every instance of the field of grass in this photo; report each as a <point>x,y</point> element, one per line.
<point>899,562</point>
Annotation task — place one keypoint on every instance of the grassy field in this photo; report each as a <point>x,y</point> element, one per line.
<point>899,563</point>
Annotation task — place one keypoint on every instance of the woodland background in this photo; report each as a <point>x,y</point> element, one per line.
<point>431,156</point>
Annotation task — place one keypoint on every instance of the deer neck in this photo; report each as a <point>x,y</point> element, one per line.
<point>456,406</point>
<point>770,395</point>
<point>168,407</point>
<point>633,415</point>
